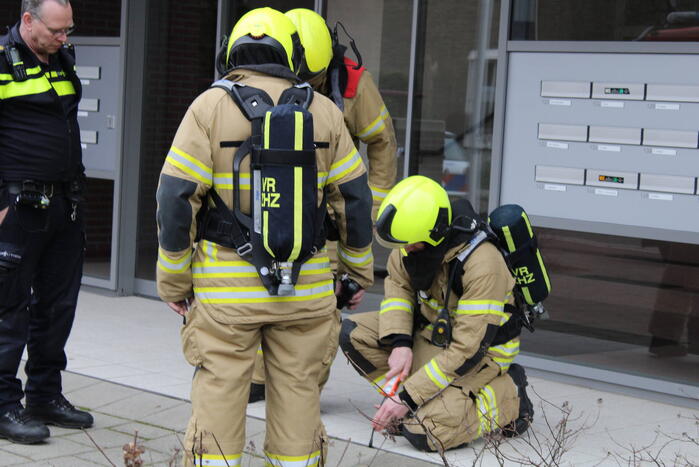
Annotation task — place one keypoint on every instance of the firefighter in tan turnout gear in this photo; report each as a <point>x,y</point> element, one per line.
<point>454,376</point>
<point>232,301</point>
<point>354,91</point>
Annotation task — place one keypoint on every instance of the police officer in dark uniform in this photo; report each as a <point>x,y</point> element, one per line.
<point>42,236</point>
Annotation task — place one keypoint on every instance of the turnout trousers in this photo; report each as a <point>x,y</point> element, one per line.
<point>38,301</point>
<point>333,339</point>
<point>224,357</point>
<point>481,401</point>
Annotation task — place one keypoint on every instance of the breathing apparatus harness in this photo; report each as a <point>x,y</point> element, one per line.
<point>522,313</point>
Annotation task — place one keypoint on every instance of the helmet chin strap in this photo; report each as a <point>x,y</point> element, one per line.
<point>352,43</point>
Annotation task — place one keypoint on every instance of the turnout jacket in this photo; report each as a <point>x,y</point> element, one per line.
<point>39,133</point>
<point>367,118</point>
<point>222,282</point>
<point>475,317</point>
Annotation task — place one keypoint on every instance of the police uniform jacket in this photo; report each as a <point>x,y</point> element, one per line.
<point>224,284</point>
<point>39,133</point>
<point>475,316</point>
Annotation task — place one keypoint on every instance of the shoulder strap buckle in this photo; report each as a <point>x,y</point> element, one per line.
<point>244,250</point>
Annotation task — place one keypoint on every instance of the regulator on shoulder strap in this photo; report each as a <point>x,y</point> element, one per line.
<point>284,227</point>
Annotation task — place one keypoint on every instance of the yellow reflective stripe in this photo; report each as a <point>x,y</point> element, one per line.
<point>526,222</point>
<point>259,350</point>
<point>31,73</point>
<point>481,307</point>
<point>322,178</point>
<point>189,165</point>
<point>25,88</point>
<point>174,266</point>
<point>378,194</point>
<point>527,295</point>
<point>319,265</point>
<point>375,127</point>
<point>266,142</point>
<point>232,460</point>
<point>63,88</point>
<point>543,270</point>
<point>210,250</point>
<point>355,259</point>
<point>436,375</point>
<point>432,303</point>
<point>224,181</point>
<point>391,304</point>
<point>259,294</point>
<point>298,131</point>
<point>277,460</point>
<point>265,229</point>
<point>508,239</point>
<point>344,166</point>
<point>298,208</point>
<point>487,410</point>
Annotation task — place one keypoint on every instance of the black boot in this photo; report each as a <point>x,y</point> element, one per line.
<point>526,408</point>
<point>257,393</point>
<point>61,413</point>
<point>16,426</point>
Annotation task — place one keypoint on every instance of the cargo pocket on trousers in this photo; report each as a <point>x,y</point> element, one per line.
<point>188,334</point>
<point>445,416</point>
<point>333,340</point>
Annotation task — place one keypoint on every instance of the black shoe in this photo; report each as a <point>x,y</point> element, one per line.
<point>257,393</point>
<point>526,408</point>
<point>61,413</point>
<point>16,426</point>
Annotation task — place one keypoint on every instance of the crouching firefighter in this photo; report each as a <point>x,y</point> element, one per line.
<point>263,155</point>
<point>437,345</point>
<point>352,88</point>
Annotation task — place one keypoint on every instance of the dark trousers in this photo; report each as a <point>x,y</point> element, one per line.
<point>38,301</point>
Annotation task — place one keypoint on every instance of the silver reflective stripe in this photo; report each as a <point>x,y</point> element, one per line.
<point>344,166</point>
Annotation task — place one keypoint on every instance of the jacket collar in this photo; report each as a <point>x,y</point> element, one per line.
<point>269,69</point>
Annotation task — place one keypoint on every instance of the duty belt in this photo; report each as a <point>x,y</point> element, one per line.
<point>47,188</point>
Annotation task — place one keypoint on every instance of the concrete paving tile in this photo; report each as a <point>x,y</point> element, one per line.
<point>151,381</point>
<point>8,458</point>
<point>52,448</point>
<point>76,382</point>
<point>116,455</point>
<point>169,444</point>
<point>174,418</point>
<point>139,405</point>
<point>145,431</point>
<point>100,394</point>
<point>113,371</point>
<point>104,438</point>
<point>67,461</point>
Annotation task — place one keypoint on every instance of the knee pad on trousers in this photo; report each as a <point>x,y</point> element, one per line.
<point>418,440</point>
<point>357,359</point>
